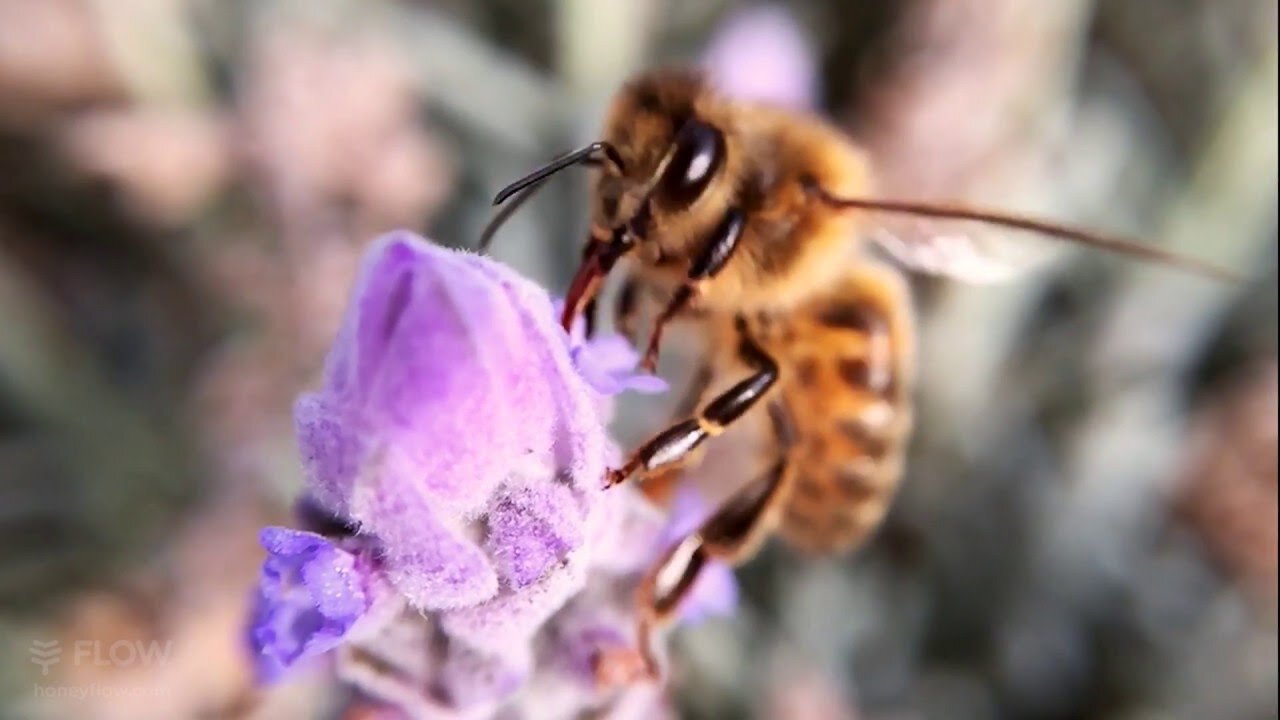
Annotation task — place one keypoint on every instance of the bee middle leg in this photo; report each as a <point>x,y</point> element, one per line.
<point>672,446</point>
<point>659,486</point>
<point>708,263</point>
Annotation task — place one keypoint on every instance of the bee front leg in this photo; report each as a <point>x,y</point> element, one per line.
<point>628,306</point>
<point>671,446</point>
<point>589,311</point>
<point>709,262</point>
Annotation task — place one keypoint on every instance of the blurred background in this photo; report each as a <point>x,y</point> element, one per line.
<point>1087,527</point>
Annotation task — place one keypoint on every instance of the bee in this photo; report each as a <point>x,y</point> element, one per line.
<point>754,222</point>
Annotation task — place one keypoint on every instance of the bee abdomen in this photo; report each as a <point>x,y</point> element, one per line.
<point>847,383</point>
<point>844,485</point>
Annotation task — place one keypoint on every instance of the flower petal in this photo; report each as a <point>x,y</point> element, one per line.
<point>513,617</point>
<point>332,450</point>
<point>468,677</point>
<point>433,565</point>
<point>608,364</point>
<point>608,361</point>
<point>714,593</point>
<point>532,529</point>
<point>761,54</point>
<point>311,594</point>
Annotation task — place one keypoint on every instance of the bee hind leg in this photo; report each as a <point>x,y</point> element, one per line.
<point>731,535</point>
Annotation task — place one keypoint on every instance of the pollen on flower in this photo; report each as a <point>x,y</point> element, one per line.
<point>461,553</point>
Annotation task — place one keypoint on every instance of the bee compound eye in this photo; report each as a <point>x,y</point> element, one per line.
<point>699,153</point>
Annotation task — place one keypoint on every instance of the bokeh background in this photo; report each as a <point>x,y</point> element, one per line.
<point>1087,527</point>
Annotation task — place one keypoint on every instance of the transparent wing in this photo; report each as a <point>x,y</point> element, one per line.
<point>962,250</point>
<point>985,246</point>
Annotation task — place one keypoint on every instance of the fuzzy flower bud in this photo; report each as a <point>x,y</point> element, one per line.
<point>466,559</point>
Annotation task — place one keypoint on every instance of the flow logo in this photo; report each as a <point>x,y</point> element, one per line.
<point>45,653</point>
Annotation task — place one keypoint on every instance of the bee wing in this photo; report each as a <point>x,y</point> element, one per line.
<point>968,251</point>
<point>931,237</point>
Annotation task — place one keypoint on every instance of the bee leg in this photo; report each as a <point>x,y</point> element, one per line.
<point>624,315</point>
<point>589,310</point>
<point>731,535</point>
<point>674,443</point>
<point>589,314</point>
<point>710,261</point>
<point>659,486</point>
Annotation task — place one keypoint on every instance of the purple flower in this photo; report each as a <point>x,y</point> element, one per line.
<point>310,595</point>
<point>455,454</point>
<point>761,54</point>
<point>608,362</point>
<point>451,385</point>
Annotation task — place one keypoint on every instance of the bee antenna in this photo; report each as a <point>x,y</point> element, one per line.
<point>589,155</point>
<point>506,212</point>
<point>526,186</point>
<point>1119,246</point>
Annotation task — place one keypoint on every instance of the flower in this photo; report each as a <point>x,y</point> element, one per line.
<point>761,54</point>
<point>311,594</point>
<point>608,362</point>
<point>454,458</point>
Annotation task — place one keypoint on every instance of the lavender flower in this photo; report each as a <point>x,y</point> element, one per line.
<point>311,594</point>
<point>458,442</point>
<point>761,54</point>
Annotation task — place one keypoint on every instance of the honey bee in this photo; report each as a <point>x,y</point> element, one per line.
<point>754,222</point>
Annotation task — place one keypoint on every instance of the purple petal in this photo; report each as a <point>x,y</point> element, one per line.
<point>608,364</point>
<point>532,529</point>
<point>431,352</point>
<point>449,378</point>
<point>688,511</point>
<point>332,450</point>
<point>382,297</point>
<point>288,545</point>
<point>608,361</point>
<point>714,593</point>
<point>578,646</point>
<point>582,444</point>
<point>468,677</point>
<point>434,566</point>
<point>512,618</point>
<point>460,435</point>
<point>310,595</point>
<point>459,362</point>
<point>761,54</point>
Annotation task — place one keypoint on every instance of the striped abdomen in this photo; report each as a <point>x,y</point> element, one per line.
<point>847,366</point>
